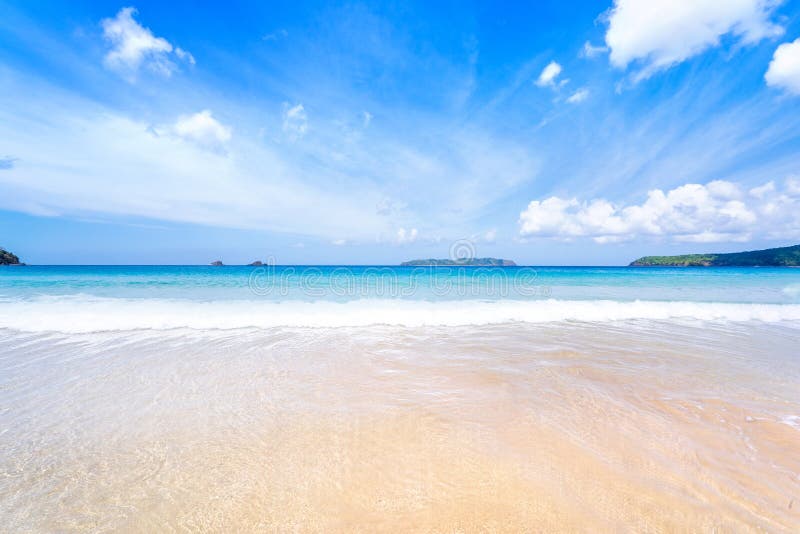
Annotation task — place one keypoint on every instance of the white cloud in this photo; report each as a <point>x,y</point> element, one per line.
<point>762,190</point>
<point>717,211</point>
<point>784,69</point>
<point>661,33</point>
<point>133,45</point>
<point>101,164</point>
<point>388,206</point>
<point>489,236</point>
<point>183,54</point>
<point>203,129</point>
<point>723,190</point>
<point>589,50</point>
<point>793,186</point>
<point>407,236</point>
<point>549,74</point>
<point>84,159</point>
<point>366,117</point>
<point>276,35</point>
<point>578,96</point>
<point>295,121</point>
<point>339,242</point>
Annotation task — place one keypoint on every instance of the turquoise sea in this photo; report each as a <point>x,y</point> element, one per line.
<point>85,298</point>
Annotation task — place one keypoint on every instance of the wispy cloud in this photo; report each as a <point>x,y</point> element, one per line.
<point>276,35</point>
<point>578,96</point>
<point>101,162</point>
<point>366,118</point>
<point>589,50</point>
<point>549,75</point>
<point>162,168</point>
<point>704,128</point>
<point>295,121</point>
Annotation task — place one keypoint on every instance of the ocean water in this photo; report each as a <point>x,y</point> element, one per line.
<point>325,399</point>
<point>125,297</point>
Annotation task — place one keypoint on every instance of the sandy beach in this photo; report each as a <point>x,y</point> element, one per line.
<point>637,425</point>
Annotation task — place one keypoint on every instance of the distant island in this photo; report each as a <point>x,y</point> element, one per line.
<point>469,262</point>
<point>771,257</point>
<point>216,263</point>
<point>7,258</point>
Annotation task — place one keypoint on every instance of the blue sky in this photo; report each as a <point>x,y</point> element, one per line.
<point>546,132</point>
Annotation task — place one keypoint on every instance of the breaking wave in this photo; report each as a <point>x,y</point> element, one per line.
<point>93,314</point>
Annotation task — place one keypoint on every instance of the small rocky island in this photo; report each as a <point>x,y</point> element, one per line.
<point>216,263</point>
<point>7,258</point>
<point>469,262</point>
<point>771,257</point>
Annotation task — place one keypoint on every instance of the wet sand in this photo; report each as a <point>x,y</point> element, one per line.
<point>640,426</point>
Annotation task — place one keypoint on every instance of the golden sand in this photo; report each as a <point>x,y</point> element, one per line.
<point>569,428</point>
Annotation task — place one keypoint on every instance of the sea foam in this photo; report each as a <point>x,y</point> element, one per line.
<point>92,314</point>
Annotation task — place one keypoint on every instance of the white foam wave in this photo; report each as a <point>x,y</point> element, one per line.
<point>89,314</point>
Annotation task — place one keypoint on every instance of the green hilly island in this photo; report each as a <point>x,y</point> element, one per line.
<point>7,258</point>
<point>771,257</point>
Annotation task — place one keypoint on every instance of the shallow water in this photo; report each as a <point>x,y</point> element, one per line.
<point>647,425</point>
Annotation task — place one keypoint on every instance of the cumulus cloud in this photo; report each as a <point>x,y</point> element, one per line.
<point>549,74</point>
<point>717,211</point>
<point>762,190</point>
<point>203,129</point>
<point>578,96</point>
<point>295,121</point>
<point>784,69</point>
<point>662,33</point>
<point>133,45</point>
